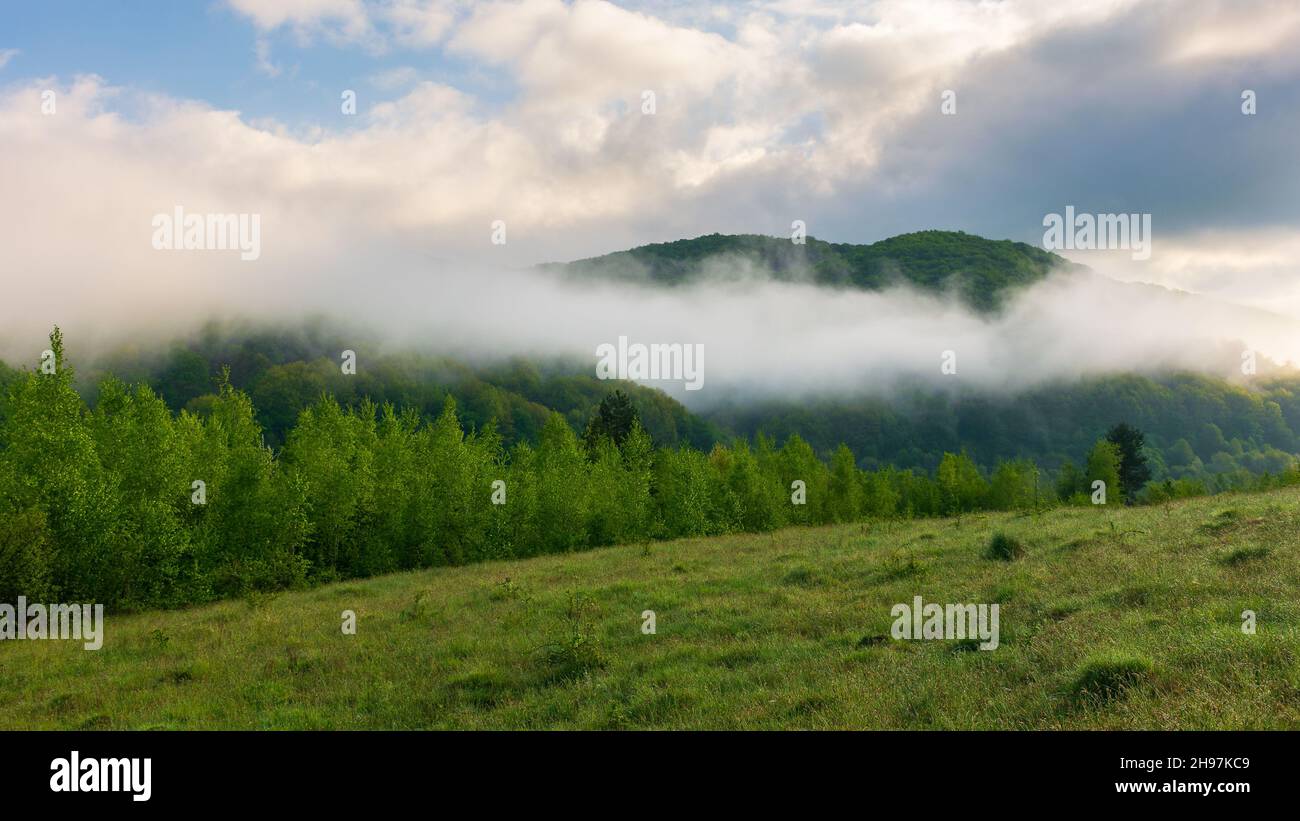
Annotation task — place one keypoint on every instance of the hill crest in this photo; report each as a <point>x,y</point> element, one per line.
<point>982,271</point>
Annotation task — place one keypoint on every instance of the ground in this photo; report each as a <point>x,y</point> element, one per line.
<point>1111,618</point>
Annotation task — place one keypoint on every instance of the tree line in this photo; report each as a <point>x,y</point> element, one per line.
<point>131,505</point>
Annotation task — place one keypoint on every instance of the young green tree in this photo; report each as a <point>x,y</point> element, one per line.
<point>136,440</point>
<point>518,519</point>
<point>726,514</point>
<point>1070,481</point>
<point>682,485</point>
<point>392,531</point>
<point>453,480</point>
<point>798,463</point>
<point>563,489</point>
<point>1103,466</point>
<point>254,526</point>
<point>881,494</point>
<point>331,452</point>
<point>620,489</point>
<point>760,502</point>
<point>52,453</point>
<point>1012,486</point>
<point>844,490</point>
<point>961,488</point>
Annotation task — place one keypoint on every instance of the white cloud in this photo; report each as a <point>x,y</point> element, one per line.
<point>264,62</point>
<point>375,25</point>
<point>1258,267</point>
<point>754,127</point>
<point>305,15</point>
<point>394,78</point>
<point>340,22</point>
<point>7,54</point>
<point>418,23</point>
<point>589,55</point>
<point>1223,33</point>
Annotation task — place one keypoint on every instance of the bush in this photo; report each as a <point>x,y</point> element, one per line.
<point>577,649</point>
<point>1244,554</point>
<point>1004,548</point>
<point>1110,677</point>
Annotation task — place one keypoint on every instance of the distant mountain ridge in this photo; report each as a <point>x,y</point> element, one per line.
<point>983,271</point>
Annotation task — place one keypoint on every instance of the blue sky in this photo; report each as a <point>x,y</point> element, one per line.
<point>208,51</point>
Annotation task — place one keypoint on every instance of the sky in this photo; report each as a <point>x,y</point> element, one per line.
<point>532,116</point>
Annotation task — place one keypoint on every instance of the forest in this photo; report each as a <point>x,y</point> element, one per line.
<point>130,504</point>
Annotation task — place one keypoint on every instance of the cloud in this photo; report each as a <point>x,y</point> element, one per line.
<point>1253,267</point>
<point>418,24</point>
<point>552,47</point>
<point>1221,33</point>
<point>375,26</point>
<point>342,20</point>
<point>7,54</point>
<point>763,115</point>
<point>394,78</point>
<point>386,229</point>
<point>811,104</point>
<point>264,62</point>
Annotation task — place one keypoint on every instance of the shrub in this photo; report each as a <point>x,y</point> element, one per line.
<point>577,649</point>
<point>1244,554</point>
<point>1111,677</point>
<point>1004,548</point>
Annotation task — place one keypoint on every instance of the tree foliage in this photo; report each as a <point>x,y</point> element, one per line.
<point>133,505</point>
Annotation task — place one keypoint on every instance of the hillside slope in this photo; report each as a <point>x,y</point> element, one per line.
<point>1121,618</point>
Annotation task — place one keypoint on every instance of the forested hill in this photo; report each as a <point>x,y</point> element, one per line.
<point>1198,428</point>
<point>982,270</point>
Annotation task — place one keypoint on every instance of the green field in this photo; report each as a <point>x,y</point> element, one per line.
<point>1113,618</point>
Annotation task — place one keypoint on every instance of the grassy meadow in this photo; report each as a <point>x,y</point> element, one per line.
<point>1111,618</point>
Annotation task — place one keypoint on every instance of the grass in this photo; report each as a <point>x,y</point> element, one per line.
<point>1110,618</point>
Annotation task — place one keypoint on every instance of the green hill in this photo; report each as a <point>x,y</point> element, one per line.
<point>1197,426</point>
<point>982,270</point>
<point>1113,617</point>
